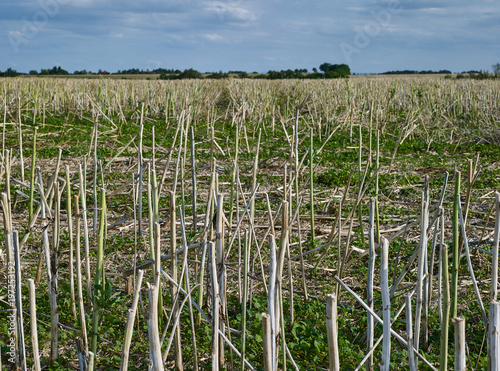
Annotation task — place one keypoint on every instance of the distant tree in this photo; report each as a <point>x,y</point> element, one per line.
<point>10,73</point>
<point>218,75</point>
<point>325,67</point>
<point>274,75</point>
<point>496,68</point>
<point>165,76</point>
<point>315,70</point>
<point>165,71</point>
<point>57,71</point>
<point>187,74</point>
<point>190,74</point>
<point>33,72</point>
<point>342,70</point>
<point>413,72</point>
<point>332,75</point>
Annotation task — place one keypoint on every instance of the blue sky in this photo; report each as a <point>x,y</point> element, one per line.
<point>258,35</point>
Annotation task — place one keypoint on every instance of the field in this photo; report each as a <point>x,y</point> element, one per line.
<point>206,170</point>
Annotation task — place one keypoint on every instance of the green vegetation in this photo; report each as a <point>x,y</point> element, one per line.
<point>330,72</point>
<point>478,75</point>
<point>186,74</point>
<point>338,70</point>
<point>412,72</point>
<point>427,126</point>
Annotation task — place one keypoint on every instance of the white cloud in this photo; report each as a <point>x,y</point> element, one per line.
<point>154,64</point>
<point>213,37</point>
<point>116,35</point>
<point>230,11</point>
<point>15,33</point>
<point>435,11</point>
<point>77,2</point>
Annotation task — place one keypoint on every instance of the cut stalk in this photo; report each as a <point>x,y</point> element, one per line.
<point>20,140</point>
<point>99,277</point>
<point>173,268</point>
<point>494,336</point>
<point>79,279</point>
<point>267,345</point>
<point>496,238</point>
<point>456,248</point>
<point>154,337</point>
<point>332,332</point>
<point>420,272</point>
<point>32,181</point>
<point>215,308</point>
<point>188,286</point>
<point>360,180</point>
<point>386,305</point>
<point>272,300</point>
<point>71,245</point>
<point>446,300</point>
<point>193,176</point>
<point>409,333</point>
<point>140,171</point>
<point>377,165</point>
<point>460,355</point>
<point>311,187</point>
<point>83,201</point>
<point>54,311</point>
<point>233,175</point>
<point>369,286</point>
<point>19,303</point>
<point>246,254</point>
<point>34,331</point>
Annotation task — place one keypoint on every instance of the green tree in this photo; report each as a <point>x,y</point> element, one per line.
<point>10,73</point>
<point>190,74</point>
<point>342,70</point>
<point>218,75</point>
<point>325,67</point>
<point>57,71</point>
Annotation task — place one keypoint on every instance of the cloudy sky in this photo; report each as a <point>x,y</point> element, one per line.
<point>251,35</point>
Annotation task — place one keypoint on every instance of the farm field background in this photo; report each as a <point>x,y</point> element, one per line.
<point>308,147</point>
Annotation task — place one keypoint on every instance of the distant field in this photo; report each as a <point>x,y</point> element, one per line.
<point>199,161</point>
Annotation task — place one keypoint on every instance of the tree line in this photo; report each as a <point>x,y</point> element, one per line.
<point>329,71</point>
<point>413,72</point>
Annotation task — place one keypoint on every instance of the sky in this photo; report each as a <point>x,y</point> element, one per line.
<point>249,35</point>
